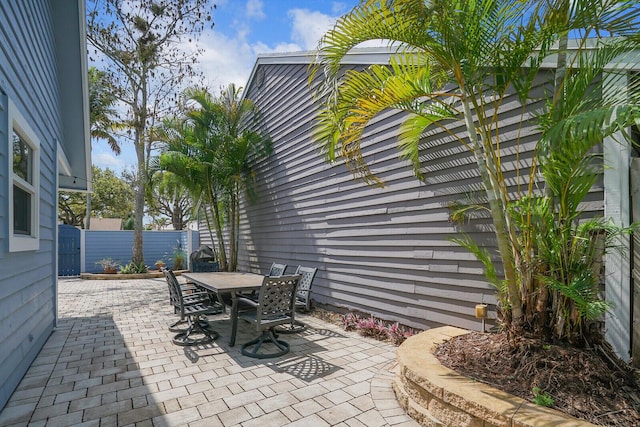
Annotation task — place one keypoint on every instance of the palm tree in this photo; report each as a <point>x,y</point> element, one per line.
<point>101,114</point>
<point>212,155</point>
<point>461,60</point>
<point>240,150</point>
<point>191,156</point>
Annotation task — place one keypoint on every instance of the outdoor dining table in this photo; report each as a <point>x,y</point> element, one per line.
<point>228,283</point>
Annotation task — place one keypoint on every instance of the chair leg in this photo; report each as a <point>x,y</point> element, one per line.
<point>292,328</point>
<point>174,327</point>
<point>266,337</point>
<point>195,328</point>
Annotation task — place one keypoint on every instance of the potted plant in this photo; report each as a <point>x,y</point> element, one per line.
<point>160,264</point>
<point>178,260</point>
<point>109,265</point>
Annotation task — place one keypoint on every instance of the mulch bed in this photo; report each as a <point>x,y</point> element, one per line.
<point>581,382</point>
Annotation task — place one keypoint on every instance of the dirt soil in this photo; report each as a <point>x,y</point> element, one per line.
<point>584,383</point>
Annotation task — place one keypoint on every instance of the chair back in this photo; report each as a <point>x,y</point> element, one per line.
<point>276,302</point>
<point>303,294</point>
<point>277,269</point>
<point>175,294</point>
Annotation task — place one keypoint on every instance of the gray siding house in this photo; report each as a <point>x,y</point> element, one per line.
<point>385,251</point>
<point>44,146</point>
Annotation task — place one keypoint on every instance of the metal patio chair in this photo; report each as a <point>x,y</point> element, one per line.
<point>191,294</point>
<point>194,308</point>
<point>277,269</point>
<point>302,301</point>
<point>275,306</point>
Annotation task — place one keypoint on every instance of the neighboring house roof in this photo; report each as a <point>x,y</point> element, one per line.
<point>105,224</point>
<point>356,56</point>
<point>74,151</point>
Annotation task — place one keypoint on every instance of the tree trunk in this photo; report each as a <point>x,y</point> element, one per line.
<point>176,217</point>
<point>137,256</point>
<point>499,220</point>
<point>233,235</point>
<point>222,251</point>
<point>87,223</point>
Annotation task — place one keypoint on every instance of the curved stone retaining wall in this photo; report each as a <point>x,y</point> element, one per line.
<point>437,396</point>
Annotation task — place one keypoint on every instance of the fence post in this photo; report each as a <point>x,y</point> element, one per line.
<point>83,247</point>
<point>189,247</point>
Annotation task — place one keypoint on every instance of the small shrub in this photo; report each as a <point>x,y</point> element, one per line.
<point>134,268</point>
<point>398,334</point>
<point>541,398</point>
<point>350,321</point>
<point>376,328</point>
<point>373,328</point>
<point>108,263</point>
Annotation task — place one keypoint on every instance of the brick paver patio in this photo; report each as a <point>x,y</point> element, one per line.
<point>110,362</point>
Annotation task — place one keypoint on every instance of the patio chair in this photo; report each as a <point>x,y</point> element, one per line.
<point>277,269</point>
<point>191,294</point>
<point>275,306</point>
<point>303,299</point>
<point>194,308</point>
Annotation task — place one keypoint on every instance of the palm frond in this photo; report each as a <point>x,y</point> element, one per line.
<point>483,256</point>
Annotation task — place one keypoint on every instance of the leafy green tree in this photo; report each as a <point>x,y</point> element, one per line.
<point>72,208</point>
<point>112,198</point>
<point>210,153</point>
<point>169,201</point>
<point>460,60</point>
<point>141,45</point>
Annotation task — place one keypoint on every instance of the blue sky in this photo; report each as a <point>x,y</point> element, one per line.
<point>243,29</point>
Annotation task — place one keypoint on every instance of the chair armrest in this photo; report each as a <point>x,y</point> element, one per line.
<point>247,301</point>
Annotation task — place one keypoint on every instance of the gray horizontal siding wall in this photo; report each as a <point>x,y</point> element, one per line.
<point>381,251</point>
<point>28,76</point>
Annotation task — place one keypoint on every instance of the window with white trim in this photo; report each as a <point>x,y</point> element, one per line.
<point>24,184</point>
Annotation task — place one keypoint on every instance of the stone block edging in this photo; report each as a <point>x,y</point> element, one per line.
<point>119,276</point>
<point>434,395</point>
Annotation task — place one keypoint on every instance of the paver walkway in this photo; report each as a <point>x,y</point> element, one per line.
<point>110,362</point>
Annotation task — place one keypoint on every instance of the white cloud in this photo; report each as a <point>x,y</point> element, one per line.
<point>254,10</point>
<point>339,8</point>
<point>308,27</point>
<point>280,47</point>
<point>106,160</point>
<point>225,60</point>
<point>230,60</point>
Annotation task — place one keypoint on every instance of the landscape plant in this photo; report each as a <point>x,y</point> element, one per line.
<point>463,61</point>
<point>134,268</point>
<point>109,265</point>
<point>376,328</point>
<point>211,155</point>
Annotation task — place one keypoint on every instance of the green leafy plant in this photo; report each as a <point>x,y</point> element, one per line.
<point>108,264</point>
<point>178,259</point>
<point>134,268</point>
<point>541,398</point>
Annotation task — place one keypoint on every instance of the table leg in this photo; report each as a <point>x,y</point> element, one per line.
<point>234,318</point>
